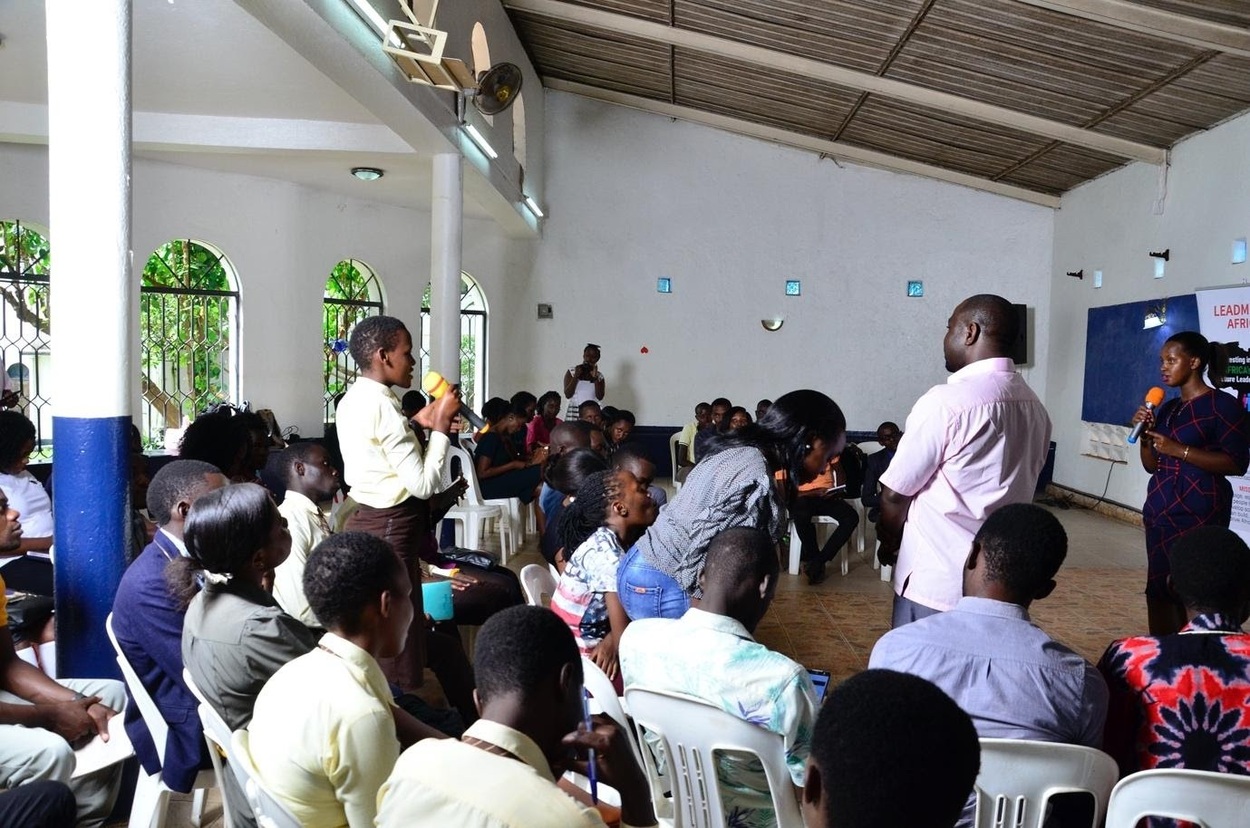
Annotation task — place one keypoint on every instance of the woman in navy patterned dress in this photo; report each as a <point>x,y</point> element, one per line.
<point>1193,443</point>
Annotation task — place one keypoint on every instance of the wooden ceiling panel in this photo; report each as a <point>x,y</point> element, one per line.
<point>927,135</point>
<point>656,10</point>
<point>1228,12</point>
<point>854,33</point>
<point>1062,168</point>
<point>595,57</point>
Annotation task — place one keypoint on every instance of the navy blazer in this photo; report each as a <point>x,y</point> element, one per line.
<point>148,625</point>
<point>874,467</point>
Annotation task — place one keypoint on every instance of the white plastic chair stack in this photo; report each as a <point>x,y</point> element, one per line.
<point>1018,776</point>
<point>151,794</point>
<point>1212,800</point>
<point>538,585</point>
<point>691,733</point>
<point>269,811</point>
<point>471,513</point>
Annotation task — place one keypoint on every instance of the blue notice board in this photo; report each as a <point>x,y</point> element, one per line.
<point>1122,360</point>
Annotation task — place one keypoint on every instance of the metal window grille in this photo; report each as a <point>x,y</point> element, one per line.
<point>189,330</point>
<point>25,327</point>
<point>352,293</point>
<point>473,326</point>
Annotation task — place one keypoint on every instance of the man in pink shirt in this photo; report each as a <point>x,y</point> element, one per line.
<point>970,446</point>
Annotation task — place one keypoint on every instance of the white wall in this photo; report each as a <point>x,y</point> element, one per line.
<point>283,240</point>
<point>634,196</point>
<point>1110,225</point>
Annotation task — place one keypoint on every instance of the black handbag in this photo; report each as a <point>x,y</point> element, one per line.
<point>472,557</point>
<point>28,614</point>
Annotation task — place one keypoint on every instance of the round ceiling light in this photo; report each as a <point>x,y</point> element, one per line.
<point>367,173</point>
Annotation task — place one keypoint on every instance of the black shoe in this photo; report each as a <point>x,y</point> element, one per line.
<point>815,573</point>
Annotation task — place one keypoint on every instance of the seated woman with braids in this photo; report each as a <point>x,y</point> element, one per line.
<point>501,471</point>
<point>611,511</point>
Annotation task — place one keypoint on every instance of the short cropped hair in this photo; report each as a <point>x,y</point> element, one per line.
<point>627,453</point>
<point>587,406</point>
<point>495,409</point>
<point>894,750</point>
<point>519,649</point>
<point>1211,569</point>
<point>739,555</point>
<point>301,452</point>
<point>371,334</point>
<point>15,430</point>
<point>1022,546</point>
<point>346,573</point>
<point>175,481</point>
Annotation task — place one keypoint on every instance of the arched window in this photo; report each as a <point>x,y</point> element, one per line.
<point>352,293</point>
<point>25,326</point>
<point>472,340</point>
<point>189,333</point>
<point>481,58</point>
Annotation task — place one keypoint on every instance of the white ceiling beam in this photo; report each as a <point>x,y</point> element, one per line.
<point>848,78</point>
<point>858,155</point>
<point>1204,34</point>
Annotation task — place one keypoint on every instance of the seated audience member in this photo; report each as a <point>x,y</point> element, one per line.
<point>219,439</point>
<point>566,475</point>
<point>501,472</point>
<point>564,437</point>
<point>611,511</point>
<point>825,495</point>
<point>29,498</point>
<point>1011,678</point>
<point>148,619</point>
<point>1183,700</point>
<point>761,408</point>
<point>590,412</point>
<point>256,432</point>
<point>889,750</point>
<point>619,428</point>
<point>311,483</point>
<point>719,424</point>
<point>323,733</point>
<point>633,458</point>
<point>888,435</point>
<point>235,636</point>
<point>524,404</point>
<point>685,440</point>
<point>38,805</point>
<point>709,653</point>
<point>504,771</point>
<point>599,442</point>
<point>43,721</point>
<point>538,429</point>
<point>737,418</point>
<point>410,403</point>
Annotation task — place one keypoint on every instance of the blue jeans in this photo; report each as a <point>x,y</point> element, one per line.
<point>646,592</point>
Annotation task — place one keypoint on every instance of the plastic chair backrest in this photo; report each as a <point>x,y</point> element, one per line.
<point>1018,776</point>
<point>870,447</point>
<point>1212,800</point>
<point>148,711</point>
<point>269,811</point>
<point>538,585</point>
<point>473,495</point>
<point>600,688</point>
<point>217,734</point>
<point>673,453</point>
<point>692,732</point>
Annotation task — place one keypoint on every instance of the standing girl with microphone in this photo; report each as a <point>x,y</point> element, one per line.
<point>1192,444</point>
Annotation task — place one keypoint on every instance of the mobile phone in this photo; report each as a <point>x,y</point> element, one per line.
<point>820,680</point>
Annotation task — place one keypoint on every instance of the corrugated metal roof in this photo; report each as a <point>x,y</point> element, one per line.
<point>1107,79</point>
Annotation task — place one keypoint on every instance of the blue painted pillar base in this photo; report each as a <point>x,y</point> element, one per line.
<point>91,502</point>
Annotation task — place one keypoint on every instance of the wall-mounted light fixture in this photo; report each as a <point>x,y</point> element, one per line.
<point>368,173</point>
<point>1156,315</point>
<point>480,140</point>
<point>1077,274</point>
<point>773,324</point>
<point>534,208</point>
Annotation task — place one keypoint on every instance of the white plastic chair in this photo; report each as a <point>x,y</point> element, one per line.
<point>217,735</point>
<point>691,733</point>
<point>1212,800</point>
<point>151,794</point>
<point>1018,776</point>
<point>268,809</point>
<point>471,513</point>
<point>509,517</point>
<point>673,453</point>
<point>825,526</point>
<point>538,585</point>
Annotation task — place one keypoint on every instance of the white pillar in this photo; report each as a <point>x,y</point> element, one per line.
<point>446,237</point>
<point>92,317</point>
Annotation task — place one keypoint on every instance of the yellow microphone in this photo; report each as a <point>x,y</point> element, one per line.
<point>436,386</point>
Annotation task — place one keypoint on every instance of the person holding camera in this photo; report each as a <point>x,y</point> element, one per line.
<point>583,382</point>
